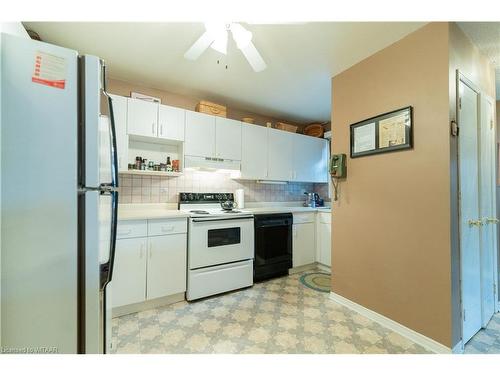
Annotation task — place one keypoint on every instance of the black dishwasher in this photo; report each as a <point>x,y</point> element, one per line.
<point>273,245</point>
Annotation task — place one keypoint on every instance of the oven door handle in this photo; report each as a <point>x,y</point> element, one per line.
<point>201,220</point>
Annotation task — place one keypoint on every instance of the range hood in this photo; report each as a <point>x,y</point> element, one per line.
<point>200,162</point>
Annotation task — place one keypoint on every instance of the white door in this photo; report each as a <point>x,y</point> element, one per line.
<point>280,155</point>
<point>469,211</point>
<point>129,275</point>
<point>488,209</point>
<point>309,159</point>
<point>171,122</point>
<point>142,118</point>
<point>254,151</point>
<point>303,251</point>
<point>166,265</point>
<point>227,139</point>
<point>120,113</point>
<point>200,134</point>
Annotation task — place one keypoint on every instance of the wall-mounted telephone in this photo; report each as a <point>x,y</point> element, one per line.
<point>338,167</point>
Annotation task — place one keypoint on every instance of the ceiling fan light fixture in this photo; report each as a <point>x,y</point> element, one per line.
<point>241,36</point>
<point>218,32</point>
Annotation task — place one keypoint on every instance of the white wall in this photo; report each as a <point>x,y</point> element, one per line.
<point>14,28</point>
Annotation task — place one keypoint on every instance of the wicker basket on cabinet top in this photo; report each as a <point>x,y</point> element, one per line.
<point>211,108</point>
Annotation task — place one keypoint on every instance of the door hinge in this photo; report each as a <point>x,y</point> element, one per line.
<point>454,128</point>
<point>464,315</point>
<point>491,124</point>
<point>494,289</point>
<point>459,103</point>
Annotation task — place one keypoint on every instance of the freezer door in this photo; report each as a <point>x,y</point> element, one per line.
<point>39,197</point>
<point>99,216</point>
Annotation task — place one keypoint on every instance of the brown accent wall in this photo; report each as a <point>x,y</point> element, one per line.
<point>124,88</point>
<point>391,224</point>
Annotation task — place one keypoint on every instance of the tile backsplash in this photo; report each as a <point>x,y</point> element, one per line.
<point>154,189</point>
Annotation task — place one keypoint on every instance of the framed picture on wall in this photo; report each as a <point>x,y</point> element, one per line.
<point>391,131</point>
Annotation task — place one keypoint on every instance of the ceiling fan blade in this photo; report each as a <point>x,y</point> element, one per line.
<point>199,46</point>
<point>254,58</point>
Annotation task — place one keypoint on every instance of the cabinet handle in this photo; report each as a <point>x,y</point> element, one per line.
<point>491,220</point>
<point>153,128</point>
<point>161,129</point>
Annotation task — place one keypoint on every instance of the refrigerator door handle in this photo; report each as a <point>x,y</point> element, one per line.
<point>107,268</point>
<point>114,152</point>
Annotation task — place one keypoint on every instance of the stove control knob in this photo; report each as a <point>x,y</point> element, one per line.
<point>183,196</point>
<point>190,196</point>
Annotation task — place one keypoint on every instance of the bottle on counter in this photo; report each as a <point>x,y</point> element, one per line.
<point>169,164</point>
<point>138,162</point>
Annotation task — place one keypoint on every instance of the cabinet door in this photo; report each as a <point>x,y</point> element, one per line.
<point>200,134</point>
<point>171,121</point>
<point>280,155</point>
<point>310,160</point>
<point>142,118</point>
<point>325,241</point>
<point>129,273</point>
<point>254,152</point>
<point>120,113</point>
<point>227,138</point>
<point>166,265</point>
<point>303,251</point>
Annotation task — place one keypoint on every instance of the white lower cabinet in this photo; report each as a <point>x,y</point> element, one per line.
<point>324,254</point>
<point>129,272</point>
<point>166,265</point>
<point>152,265</point>
<point>303,242</point>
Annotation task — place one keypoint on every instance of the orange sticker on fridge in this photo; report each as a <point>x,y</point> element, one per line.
<point>49,70</point>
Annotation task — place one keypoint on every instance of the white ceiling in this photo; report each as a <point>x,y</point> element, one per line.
<point>486,35</point>
<point>301,60</point>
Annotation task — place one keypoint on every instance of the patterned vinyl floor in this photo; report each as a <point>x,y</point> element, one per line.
<point>276,316</point>
<point>486,341</point>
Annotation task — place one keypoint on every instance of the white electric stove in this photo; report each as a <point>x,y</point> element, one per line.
<point>220,245</point>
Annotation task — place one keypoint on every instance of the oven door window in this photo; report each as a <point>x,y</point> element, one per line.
<point>224,236</point>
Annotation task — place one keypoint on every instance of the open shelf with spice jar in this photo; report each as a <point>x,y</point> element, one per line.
<point>158,158</point>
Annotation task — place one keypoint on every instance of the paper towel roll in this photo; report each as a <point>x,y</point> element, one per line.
<point>239,198</point>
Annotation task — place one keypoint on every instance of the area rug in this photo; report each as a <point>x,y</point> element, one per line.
<point>318,281</point>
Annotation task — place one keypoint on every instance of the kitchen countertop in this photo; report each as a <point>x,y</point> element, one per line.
<point>143,211</point>
<point>280,209</point>
<point>149,211</point>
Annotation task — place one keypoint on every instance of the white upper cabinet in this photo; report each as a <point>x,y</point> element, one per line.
<point>280,155</point>
<point>171,122</point>
<point>142,118</point>
<point>227,139</point>
<point>120,115</point>
<point>310,159</point>
<point>254,150</point>
<point>200,134</point>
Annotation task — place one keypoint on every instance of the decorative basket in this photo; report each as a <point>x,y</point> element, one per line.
<point>211,108</point>
<point>286,127</point>
<point>314,130</point>
<point>249,120</point>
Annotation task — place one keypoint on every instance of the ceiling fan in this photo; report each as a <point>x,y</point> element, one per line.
<point>216,36</point>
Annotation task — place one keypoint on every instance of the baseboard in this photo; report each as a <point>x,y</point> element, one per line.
<point>410,334</point>
<point>303,268</point>
<point>147,305</point>
<point>323,267</point>
<point>459,348</point>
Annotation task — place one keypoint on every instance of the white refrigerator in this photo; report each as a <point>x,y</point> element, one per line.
<point>59,200</point>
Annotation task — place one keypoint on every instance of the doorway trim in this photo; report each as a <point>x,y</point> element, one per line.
<point>461,78</point>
